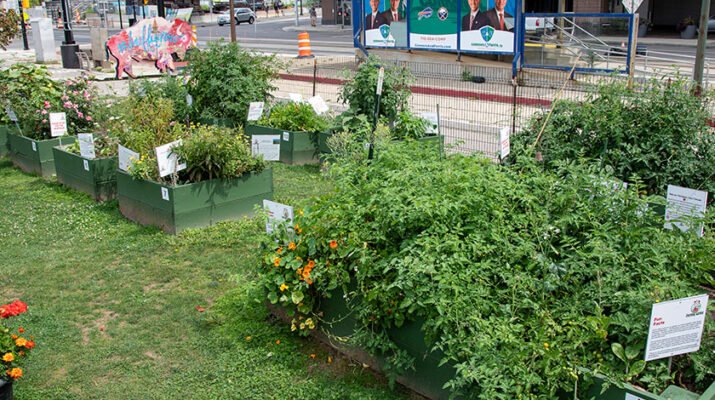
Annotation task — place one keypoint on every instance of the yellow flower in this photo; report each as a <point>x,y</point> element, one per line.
<point>277,261</point>
<point>14,373</point>
<point>291,246</point>
<point>21,342</point>
<point>300,212</point>
<point>8,357</point>
<point>248,338</point>
<point>283,287</point>
<point>546,345</point>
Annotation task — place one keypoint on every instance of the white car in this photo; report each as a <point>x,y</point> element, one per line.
<point>242,15</point>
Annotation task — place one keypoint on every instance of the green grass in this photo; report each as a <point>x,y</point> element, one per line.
<point>112,304</point>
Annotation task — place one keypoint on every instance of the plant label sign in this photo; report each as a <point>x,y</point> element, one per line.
<point>504,145</point>
<point>255,110</point>
<point>286,136</point>
<point>683,204</point>
<point>319,105</point>
<point>11,114</point>
<point>167,160</point>
<point>380,80</point>
<point>433,122</point>
<point>632,397</point>
<point>165,194</point>
<point>58,124</point>
<point>86,145</point>
<point>34,146</point>
<point>126,158</point>
<point>85,163</point>
<point>269,146</point>
<point>189,100</point>
<point>277,213</point>
<point>295,97</point>
<point>676,327</point>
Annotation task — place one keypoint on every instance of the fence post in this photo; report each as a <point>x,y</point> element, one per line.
<point>514,84</point>
<point>315,73</point>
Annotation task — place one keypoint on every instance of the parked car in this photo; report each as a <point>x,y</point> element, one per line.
<point>242,15</point>
<point>223,6</point>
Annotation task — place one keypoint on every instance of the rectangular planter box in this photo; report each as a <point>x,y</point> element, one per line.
<point>428,377</point>
<point>5,130</point>
<point>195,205</point>
<point>96,177</point>
<point>297,148</point>
<point>35,156</point>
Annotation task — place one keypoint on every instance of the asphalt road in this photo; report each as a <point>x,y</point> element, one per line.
<point>267,35</point>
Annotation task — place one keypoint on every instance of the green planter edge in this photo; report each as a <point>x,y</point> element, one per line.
<point>428,377</point>
<point>300,148</point>
<point>5,130</point>
<point>97,177</point>
<point>193,205</point>
<point>35,156</point>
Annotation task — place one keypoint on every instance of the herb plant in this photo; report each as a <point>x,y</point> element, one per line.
<point>295,117</point>
<point>225,78</point>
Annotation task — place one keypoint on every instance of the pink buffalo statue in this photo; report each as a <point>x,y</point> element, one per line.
<point>154,39</point>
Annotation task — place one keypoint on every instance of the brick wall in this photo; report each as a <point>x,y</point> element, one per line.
<point>588,6</point>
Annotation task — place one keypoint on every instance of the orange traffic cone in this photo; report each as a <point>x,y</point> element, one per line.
<point>304,45</point>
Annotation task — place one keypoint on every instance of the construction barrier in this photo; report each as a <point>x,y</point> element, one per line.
<point>304,45</point>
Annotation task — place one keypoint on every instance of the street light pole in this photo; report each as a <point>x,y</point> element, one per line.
<point>68,48</point>
<point>232,13</point>
<point>160,6</point>
<point>24,29</point>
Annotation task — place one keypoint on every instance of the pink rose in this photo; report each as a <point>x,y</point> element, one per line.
<point>79,114</point>
<point>43,112</point>
<point>68,104</point>
<point>64,97</point>
<point>44,121</point>
<point>89,118</point>
<point>47,104</point>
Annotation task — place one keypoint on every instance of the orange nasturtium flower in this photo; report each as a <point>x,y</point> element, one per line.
<point>291,246</point>
<point>333,244</point>
<point>21,330</point>
<point>297,229</point>
<point>283,287</point>
<point>14,373</point>
<point>280,250</point>
<point>30,344</point>
<point>20,342</point>
<point>277,261</point>
<point>8,357</point>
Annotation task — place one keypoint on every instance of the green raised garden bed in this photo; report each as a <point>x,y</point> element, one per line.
<point>5,130</point>
<point>35,156</point>
<point>195,205</point>
<point>428,378</point>
<point>96,177</point>
<point>297,148</point>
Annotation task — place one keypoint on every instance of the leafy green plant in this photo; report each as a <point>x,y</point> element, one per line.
<point>212,152</point>
<point>8,27</point>
<point>543,271</point>
<point>169,87</point>
<point>225,78</point>
<point>409,126</point>
<point>104,146</point>
<point>359,91</point>
<point>295,117</point>
<point>658,134</point>
<point>26,88</point>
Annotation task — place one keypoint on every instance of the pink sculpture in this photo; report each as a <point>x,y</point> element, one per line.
<point>154,39</point>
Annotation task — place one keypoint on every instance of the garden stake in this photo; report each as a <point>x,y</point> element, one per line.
<point>439,133</point>
<point>380,78</point>
<point>558,96</point>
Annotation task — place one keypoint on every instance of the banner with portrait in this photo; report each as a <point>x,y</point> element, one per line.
<point>385,23</point>
<point>487,26</point>
<point>433,24</point>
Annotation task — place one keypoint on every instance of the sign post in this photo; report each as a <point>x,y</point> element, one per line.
<point>378,91</point>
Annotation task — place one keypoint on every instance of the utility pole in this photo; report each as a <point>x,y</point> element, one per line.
<point>22,24</point>
<point>232,13</point>
<point>68,48</point>
<point>160,7</point>
<point>702,42</point>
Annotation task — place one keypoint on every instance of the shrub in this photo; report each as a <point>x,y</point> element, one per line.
<point>520,275</point>
<point>168,87</point>
<point>659,135</point>
<point>409,126</point>
<point>295,117</point>
<point>225,79</point>
<point>359,92</point>
<point>26,87</point>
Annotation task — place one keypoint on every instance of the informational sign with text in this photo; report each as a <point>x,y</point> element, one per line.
<point>86,145</point>
<point>277,213</point>
<point>380,80</point>
<point>504,144</point>
<point>255,110</point>
<point>676,327</point>
<point>167,160</point>
<point>269,146</point>
<point>126,158</point>
<point>683,204</point>
<point>11,114</point>
<point>58,124</point>
<point>319,105</point>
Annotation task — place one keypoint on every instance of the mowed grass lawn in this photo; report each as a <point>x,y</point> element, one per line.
<point>112,305</point>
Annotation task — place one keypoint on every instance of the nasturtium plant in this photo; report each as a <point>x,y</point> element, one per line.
<point>519,276</point>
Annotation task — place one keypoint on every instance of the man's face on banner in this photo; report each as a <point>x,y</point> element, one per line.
<point>374,4</point>
<point>500,4</point>
<point>394,4</point>
<point>474,5</point>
